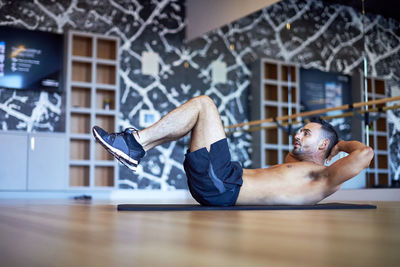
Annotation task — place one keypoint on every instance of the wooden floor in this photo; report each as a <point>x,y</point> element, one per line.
<point>68,233</point>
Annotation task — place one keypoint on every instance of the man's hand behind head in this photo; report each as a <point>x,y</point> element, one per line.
<point>335,150</point>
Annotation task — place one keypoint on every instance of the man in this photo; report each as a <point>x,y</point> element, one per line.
<point>214,180</point>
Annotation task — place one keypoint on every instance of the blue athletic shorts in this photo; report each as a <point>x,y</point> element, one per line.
<point>213,179</point>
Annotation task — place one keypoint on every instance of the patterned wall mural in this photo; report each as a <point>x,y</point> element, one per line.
<point>324,37</point>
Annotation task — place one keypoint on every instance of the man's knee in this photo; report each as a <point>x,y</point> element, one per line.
<point>205,102</point>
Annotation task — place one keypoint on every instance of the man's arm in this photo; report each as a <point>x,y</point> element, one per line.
<point>343,169</point>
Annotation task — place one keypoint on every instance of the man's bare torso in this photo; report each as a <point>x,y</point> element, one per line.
<point>288,183</point>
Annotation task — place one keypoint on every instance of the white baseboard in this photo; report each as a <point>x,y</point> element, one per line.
<point>118,195</point>
<point>103,195</point>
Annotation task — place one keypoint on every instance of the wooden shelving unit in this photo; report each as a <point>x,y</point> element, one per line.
<point>272,81</point>
<point>378,173</point>
<point>271,85</point>
<point>92,99</point>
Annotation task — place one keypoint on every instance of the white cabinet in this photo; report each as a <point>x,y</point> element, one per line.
<point>35,161</point>
<point>13,160</point>
<point>47,157</point>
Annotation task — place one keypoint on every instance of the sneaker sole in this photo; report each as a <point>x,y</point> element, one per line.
<point>118,154</point>
<point>131,167</point>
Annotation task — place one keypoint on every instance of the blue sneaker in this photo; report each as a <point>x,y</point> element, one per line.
<point>123,146</point>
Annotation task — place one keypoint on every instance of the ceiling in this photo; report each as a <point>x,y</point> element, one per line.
<point>222,12</point>
<point>205,15</point>
<point>386,8</point>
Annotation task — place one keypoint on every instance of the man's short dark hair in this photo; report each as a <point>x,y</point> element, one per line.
<point>328,132</point>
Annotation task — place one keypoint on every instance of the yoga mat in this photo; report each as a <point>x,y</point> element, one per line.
<point>196,207</point>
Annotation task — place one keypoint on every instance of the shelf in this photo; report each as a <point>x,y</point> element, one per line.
<point>105,74</point>
<point>106,62</point>
<point>271,92</point>
<point>379,96</point>
<point>270,71</point>
<point>285,111</point>
<point>80,123</point>
<point>382,142</point>
<point>105,99</point>
<point>94,96</point>
<point>81,84</point>
<point>105,112</point>
<point>104,176</point>
<point>272,82</point>
<point>79,163</point>
<point>271,136</point>
<point>371,141</point>
<point>380,87</point>
<point>109,87</point>
<point>272,146</point>
<point>271,112</point>
<point>106,122</point>
<point>82,46</point>
<point>81,72</point>
<point>383,179</point>
<point>271,157</point>
<point>269,101</point>
<point>373,132</point>
<point>79,149</point>
<point>382,161</point>
<point>285,94</point>
<point>284,154</point>
<point>285,73</point>
<point>369,84</point>
<point>105,163</point>
<point>381,152</point>
<point>81,136</point>
<point>285,138</point>
<point>106,49</point>
<point>378,133</point>
<point>381,125</point>
<point>80,110</point>
<point>78,176</point>
<point>82,59</point>
<point>80,97</point>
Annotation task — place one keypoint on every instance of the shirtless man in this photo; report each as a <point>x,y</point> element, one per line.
<point>214,180</point>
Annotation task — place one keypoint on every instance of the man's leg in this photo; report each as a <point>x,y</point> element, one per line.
<point>199,116</point>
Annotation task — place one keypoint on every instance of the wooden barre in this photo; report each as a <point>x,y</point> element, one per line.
<point>347,114</point>
<point>315,112</point>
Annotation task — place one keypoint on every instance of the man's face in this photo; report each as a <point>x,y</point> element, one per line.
<point>306,141</point>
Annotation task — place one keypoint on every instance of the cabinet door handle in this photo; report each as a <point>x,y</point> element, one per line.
<point>32,143</point>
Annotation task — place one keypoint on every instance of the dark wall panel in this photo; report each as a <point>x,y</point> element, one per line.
<point>325,37</point>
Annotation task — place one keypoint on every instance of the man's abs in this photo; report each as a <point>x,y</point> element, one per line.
<point>289,183</point>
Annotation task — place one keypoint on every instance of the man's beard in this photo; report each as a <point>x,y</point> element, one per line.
<point>298,151</point>
<point>298,148</point>
<point>301,152</point>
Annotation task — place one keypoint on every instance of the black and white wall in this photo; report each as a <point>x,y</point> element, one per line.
<point>324,37</point>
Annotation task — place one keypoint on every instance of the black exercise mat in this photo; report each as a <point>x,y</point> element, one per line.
<point>196,207</point>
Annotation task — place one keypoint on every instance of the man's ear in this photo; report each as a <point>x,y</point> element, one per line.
<point>323,144</point>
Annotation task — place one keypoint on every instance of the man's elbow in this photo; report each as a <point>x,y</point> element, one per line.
<point>367,154</point>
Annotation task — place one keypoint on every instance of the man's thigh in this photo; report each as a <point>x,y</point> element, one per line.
<point>208,128</point>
